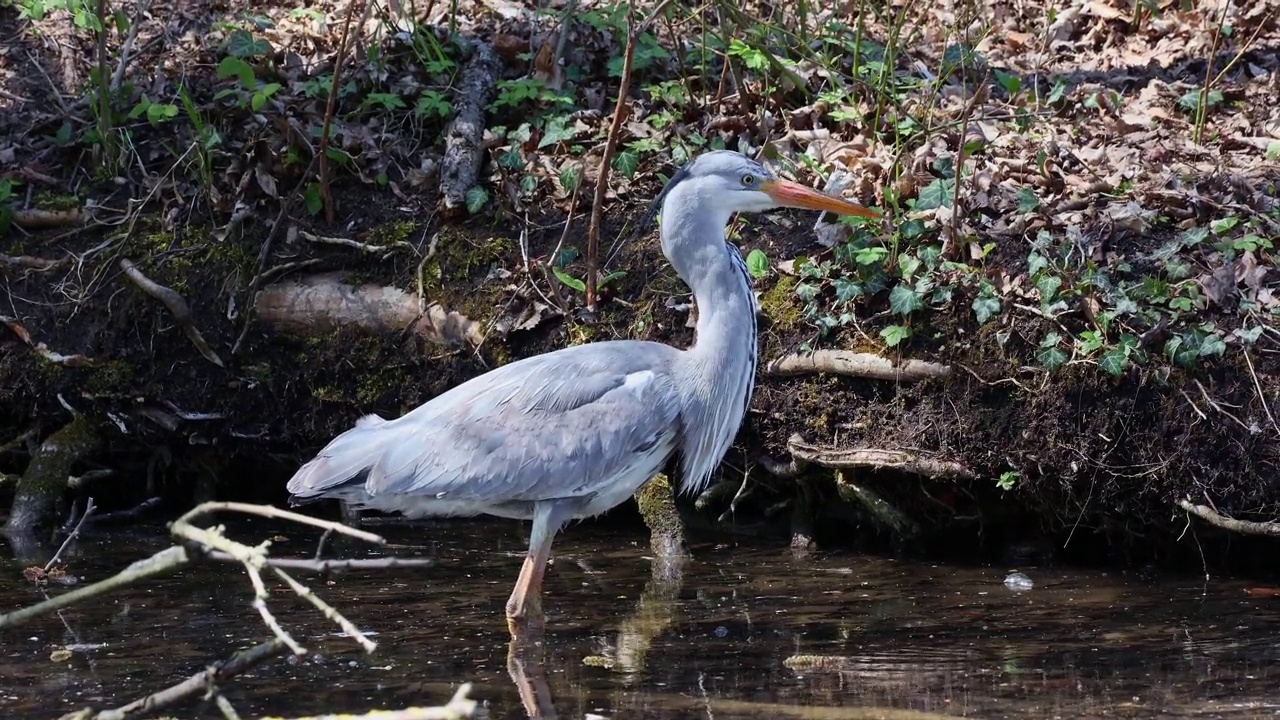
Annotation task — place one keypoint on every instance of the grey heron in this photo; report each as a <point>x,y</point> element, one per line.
<point>572,433</point>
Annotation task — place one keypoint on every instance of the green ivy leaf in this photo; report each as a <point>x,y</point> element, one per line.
<point>1049,355</point>
<point>895,334</point>
<point>241,44</point>
<point>903,300</point>
<point>986,306</point>
<point>1212,344</point>
<point>476,198</point>
<point>1114,361</point>
<point>569,280</point>
<point>846,290</point>
<point>936,194</point>
<point>1027,200</point>
<point>627,162</point>
<point>232,66</point>
<point>757,263</point>
<point>311,197</point>
<point>1182,350</point>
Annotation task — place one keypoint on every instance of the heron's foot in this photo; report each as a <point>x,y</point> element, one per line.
<point>524,616</point>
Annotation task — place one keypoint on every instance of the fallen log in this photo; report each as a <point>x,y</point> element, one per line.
<point>464,138</point>
<point>321,303</point>
<point>877,459</point>
<point>855,364</point>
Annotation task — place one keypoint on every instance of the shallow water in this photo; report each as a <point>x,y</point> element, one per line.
<point>735,635</point>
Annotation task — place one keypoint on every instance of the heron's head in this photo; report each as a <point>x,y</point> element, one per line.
<point>723,182</point>
<point>698,201</point>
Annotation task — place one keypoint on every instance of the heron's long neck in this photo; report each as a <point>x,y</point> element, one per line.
<point>719,370</point>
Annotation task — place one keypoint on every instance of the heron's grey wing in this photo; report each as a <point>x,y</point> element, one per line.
<point>558,425</point>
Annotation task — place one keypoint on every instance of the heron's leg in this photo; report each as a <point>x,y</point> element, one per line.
<point>525,600</point>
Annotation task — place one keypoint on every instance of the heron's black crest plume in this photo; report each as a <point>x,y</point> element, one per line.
<point>651,214</point>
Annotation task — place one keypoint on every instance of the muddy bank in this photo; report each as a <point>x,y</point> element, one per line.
<point>989,453</point>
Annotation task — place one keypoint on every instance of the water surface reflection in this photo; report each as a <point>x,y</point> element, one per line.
<point>736,632</point>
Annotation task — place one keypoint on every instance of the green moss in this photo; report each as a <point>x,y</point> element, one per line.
<point>397,231</point>
<point>656,500</point>
<point>46,200</point>
<point>780,306</point>
<point>581,333</point>
<point>113,377</point>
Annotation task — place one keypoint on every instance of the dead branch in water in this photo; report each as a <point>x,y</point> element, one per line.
<point>460,707</point>
<point>881,510</point>
<point>877,459</point>
<point>200,683</point>
<point>177,306</point>
<point>866,365</point>
<point>1217,519</point>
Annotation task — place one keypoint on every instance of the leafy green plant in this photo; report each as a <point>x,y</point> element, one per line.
<point>1008,480</point>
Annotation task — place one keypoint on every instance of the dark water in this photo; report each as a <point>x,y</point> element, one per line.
<point>733,637</point>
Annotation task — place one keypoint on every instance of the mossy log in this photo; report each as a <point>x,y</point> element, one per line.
<point>656,499</point>
<point>42,487</point>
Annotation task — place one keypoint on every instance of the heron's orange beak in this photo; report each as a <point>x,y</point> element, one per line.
<point>789,194</point>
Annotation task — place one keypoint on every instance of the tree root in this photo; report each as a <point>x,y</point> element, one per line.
<point>464,138</point>
<point>45,481</point>
<point>322,303</point>
<point>866,365</point>
<point>874,458</point>
<point>176,305</point>
<point>881,510</point>
<point>43,350</point>
<point>1217,519</point>
<point>37,219</point>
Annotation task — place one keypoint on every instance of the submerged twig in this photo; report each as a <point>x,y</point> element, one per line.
<point>196,685</point>
<point>75,532</point>
<point>177,307</point>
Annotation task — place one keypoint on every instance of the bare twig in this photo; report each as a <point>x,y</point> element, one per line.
<point>127,48</point>
<point>177,306</point>
<point>325,194</point>
<point>88,510</point>
<point>875,458</point>
<point>1262,397</point>
<point>610,143</point>
<point>194,686</point>
<point>162,562</point>
<point>322,566</point>
<point>1217,519</point>
<point>867,365</point>
<point>273,512</point>
<point>384,250</point>
<point>264,252</point>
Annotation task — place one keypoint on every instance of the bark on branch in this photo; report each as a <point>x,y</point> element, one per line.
<point>877,459</point>
<point>1217,519</point>
<point>322,303</point>
<point>866,365</point>
<point>464,139</point>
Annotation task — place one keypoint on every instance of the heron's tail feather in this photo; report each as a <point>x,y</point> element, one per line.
<point>347,457</point>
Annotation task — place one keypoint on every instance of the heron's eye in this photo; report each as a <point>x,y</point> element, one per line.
<point>748,180</point>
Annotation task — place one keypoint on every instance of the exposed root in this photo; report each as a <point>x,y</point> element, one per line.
<point>322,303</point>
<point>464,139</point>
<point>1217,519</point>
<point>44,482</point>
<point>37,219</point>
<point>877,459</point>
<point>27,261</point>
<point>883,511</point>
<point>177,306</point>
<point>383,250</point>
<point>865,365</point>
